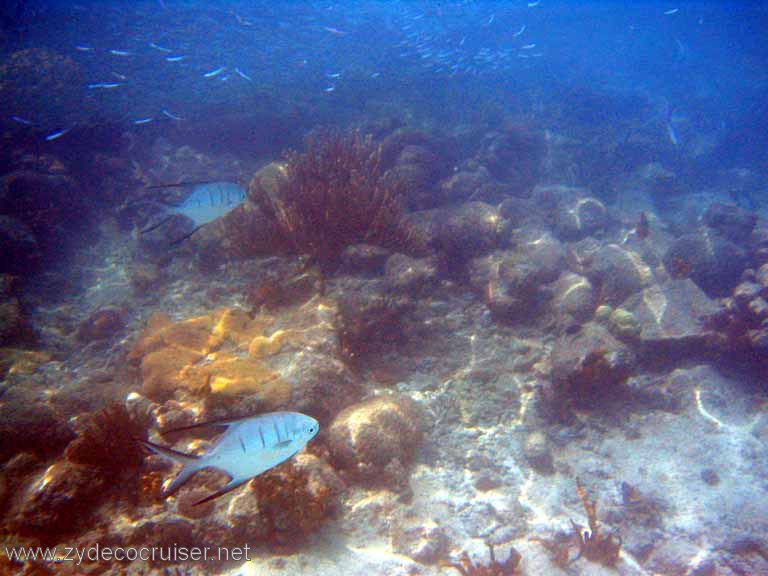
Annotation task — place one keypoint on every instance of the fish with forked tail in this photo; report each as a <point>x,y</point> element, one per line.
<point>248,447</point>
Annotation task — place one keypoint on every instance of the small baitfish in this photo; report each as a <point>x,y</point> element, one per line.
<point>248,447</point>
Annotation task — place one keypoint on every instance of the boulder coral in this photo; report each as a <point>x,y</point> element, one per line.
<point>375,441</point>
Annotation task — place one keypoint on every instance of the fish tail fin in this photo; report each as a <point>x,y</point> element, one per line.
<point>191,464</point>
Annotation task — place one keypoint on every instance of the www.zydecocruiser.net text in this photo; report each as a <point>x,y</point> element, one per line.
<point>98,553</point>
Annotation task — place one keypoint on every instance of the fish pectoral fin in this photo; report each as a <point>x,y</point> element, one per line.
<point>234,483</point>
<point>283,444</point>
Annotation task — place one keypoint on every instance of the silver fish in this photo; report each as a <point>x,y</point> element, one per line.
<point>248,447</point>
<point>100,85</point>
<point>171,115</point>
<point>672,134</point>
<point>243,74</point>
<point>216,72</point>
<point>160,48</point>
<point>21,120</point>
<point>57,135</point>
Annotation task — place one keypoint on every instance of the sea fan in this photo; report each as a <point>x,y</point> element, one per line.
<point>107,440</point>
<point>334,197</point>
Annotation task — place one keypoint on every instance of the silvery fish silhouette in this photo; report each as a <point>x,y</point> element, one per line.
<point>210,201</point>
<point>207,202</point>
<point>248,447</point>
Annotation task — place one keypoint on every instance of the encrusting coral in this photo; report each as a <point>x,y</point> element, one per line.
<point>190,354</point>
<point>296,497</point>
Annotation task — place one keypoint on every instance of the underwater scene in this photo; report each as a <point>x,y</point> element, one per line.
<point>383,288</point>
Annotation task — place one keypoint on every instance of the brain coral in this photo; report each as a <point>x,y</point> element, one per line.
<point>375,441</point>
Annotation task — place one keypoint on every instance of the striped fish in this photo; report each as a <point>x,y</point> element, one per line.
<point>248,447</point>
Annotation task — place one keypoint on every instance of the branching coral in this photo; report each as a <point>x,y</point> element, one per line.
<point>593,545</point>
<point>334,197</point>
<point>107,440</point>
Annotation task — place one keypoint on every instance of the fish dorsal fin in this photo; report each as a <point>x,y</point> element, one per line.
<point>215,423</point>
<point>209,424</point>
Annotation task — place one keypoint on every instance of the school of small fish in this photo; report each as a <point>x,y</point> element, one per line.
<point>234,52</point>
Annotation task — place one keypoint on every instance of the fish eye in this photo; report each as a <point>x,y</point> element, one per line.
<point>311,429</point>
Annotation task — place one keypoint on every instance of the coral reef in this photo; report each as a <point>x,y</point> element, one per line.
<point>740,327</point>
<point>548,329</point>
<point>228,355</point>
<point>102,324</point>
<point>39,80</point>
<point>107,440</point>
<point>169,354</point>
<point>296,498</point>
<point>467,567</point>
<point>375,441</point>
<point>593,545</point>
<point>333,197</point>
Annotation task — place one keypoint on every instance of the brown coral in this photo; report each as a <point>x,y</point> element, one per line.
<point>594,546</point>
<point>333,197</point>
<point>296,498</point>
<point>493,568</point>
<point>107,440</point>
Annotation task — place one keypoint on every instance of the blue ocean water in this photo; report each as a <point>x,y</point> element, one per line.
<point>150,65</point>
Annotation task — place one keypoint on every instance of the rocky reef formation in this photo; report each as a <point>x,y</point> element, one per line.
<point>512,372</point>
<point>40,80</point>
<point>228,354</point>
<point>375,441</point>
